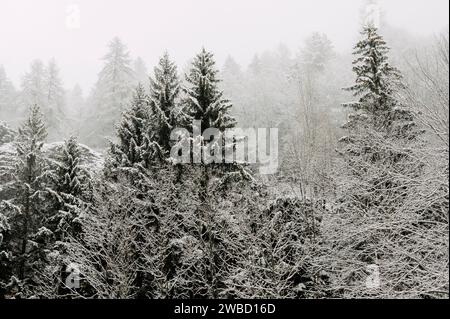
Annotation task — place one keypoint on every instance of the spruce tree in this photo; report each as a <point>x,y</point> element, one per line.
<point>26,210</point>
<point>140,72</point>
<point>54,100</point>
<point>68,190</point>
<point>164,92</point>
<point>134,148</point>
<point>75,109</point>
<point>33,87</point>
<point>7,96</point>
<point>379,121</point>
<point>317,52</point>
<point>377,85</point>
<point>113,90</point>
<point>205,100</point>
<point>377,82</point>
<point>70,187</point>
<point>235,85</point>
<point>377,162</point>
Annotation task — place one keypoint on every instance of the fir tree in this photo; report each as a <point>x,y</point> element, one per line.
<point>75,109</point>
<point>377,86</point>
<point>204,100</point>
<point>54,99</point>
<point>233,79</point>
<point>141,72</point>
<point>380,120</point>
<point>376,80</point>
<point>164,92</point>
<point>317,52</point>
<point>377,159</point>
<point>7,96</point>
<point>256,67</point>
<point>33,86</point>
<point>134,147</point>
<point>70,187</point>
<point>113,90</point>
<point>26,210</point>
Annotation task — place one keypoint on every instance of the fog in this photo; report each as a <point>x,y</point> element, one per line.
<point>280,149</point>
<point>39,29</point>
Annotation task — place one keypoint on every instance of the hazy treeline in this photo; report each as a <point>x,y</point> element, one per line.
<point>362,183</point>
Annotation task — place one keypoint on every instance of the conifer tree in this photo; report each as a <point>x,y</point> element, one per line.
<point>379,107</point>
<point>379,118</point>
<point>7,96</point>
<point>377,165</point>
<point>377,83</point>
<point>113,90</point>
<point>164,92</point>
<point>54,100</point>
<point>33,86</point>
<point>235,86</point>
<point>134,148</point>
<point>205,100</point>
<point>140,72</point>
<point>26,210</point>
<point>70,187</point>
<point>317,52</point>
<point>75,109</point>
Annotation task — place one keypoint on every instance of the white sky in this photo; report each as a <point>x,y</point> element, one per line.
<point>32,29</point>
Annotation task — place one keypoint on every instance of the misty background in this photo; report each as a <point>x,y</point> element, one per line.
<point>38,29</point>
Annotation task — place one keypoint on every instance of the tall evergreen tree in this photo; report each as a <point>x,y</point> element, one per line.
<point>55,100</point>
<point>205,100</point>
<point>164,92</point>
<point>26,210</point>
<point>134,148</point>
<point>33,86</point>
<point>70,187</point>
<point>233,81</point>
<point>377,86</point>
<point>113,90</point>
<point>376,80</point>
<point>318,50</point>
<point>255,67</point>
<point>75,109</point>
<point>379,116</point>
<point>69,193</point>
<point>377,161</point>
<point>140,72</point>
<point>7,96</point>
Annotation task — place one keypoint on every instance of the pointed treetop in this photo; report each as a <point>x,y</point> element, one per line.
<point>34,126</point>
<point>376,80</point>
<point>205,101</point>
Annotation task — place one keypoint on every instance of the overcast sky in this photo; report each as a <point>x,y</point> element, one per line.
<point>42,29</point>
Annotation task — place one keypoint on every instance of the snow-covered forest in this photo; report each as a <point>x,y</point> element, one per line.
<point>93,205</point>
